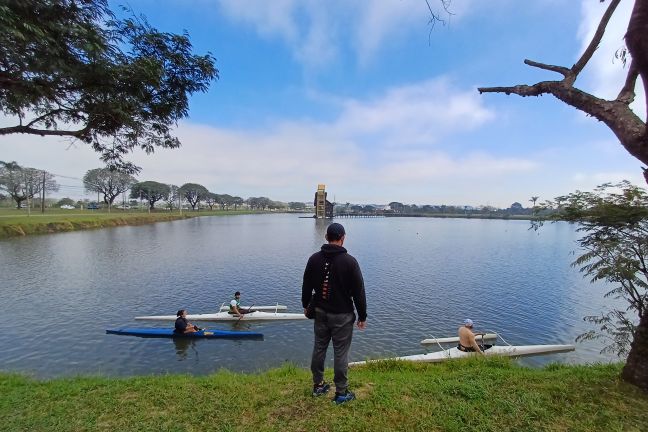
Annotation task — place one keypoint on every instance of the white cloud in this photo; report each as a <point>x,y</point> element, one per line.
<point>317,30</point>
<point>421,113</point>
<point>372,145</point>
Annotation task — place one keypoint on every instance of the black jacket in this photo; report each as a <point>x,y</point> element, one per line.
<point>344,287</point>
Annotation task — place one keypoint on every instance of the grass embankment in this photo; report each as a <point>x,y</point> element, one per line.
<point>16,222</point>
<point>484,395</point>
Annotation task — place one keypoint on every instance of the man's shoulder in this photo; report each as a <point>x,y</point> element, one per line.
<point>348,258</point>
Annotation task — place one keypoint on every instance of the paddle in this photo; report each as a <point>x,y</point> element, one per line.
<point>249,309</point>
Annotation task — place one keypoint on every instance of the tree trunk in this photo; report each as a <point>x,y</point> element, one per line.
<point>635,370</point>
<point>637,40</point>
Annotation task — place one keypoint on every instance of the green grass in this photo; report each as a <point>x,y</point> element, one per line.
<point>478,394</point>
<point>17,223</point>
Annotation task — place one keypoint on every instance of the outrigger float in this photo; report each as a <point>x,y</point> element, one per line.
<point>226,316</point>
<point>277,307</point>
<point>489,350</point>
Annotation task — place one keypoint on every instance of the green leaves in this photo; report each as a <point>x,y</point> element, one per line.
<point>614,222</point>
<point>70,68</point>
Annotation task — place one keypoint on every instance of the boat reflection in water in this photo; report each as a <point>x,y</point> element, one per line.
<point>182,346</point>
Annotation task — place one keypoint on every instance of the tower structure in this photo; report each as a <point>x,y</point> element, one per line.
<point>320,201</point>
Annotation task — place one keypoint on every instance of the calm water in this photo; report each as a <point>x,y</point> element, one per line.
<point>423,277</point>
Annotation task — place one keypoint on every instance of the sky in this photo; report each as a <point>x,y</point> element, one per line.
<point>370,100</point>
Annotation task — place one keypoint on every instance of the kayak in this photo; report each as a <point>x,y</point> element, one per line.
<point>166,332</point>
<point>278,307</point>
<point>225,316</point>
<point>455,353</point>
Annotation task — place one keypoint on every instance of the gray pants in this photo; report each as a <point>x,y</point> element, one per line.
<point>339,328</point>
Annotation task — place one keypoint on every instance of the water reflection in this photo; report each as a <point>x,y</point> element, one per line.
<point>182,346</point>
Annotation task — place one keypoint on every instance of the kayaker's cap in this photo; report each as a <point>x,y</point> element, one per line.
<point>335,231</point>
<point>468,322</point>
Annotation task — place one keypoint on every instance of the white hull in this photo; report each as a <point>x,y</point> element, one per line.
<point>487,336</point>
<point>454,353</point>
<point>258,308</point>
<point>224,316</point>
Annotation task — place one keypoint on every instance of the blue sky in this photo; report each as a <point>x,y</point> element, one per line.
<point>366,98</point>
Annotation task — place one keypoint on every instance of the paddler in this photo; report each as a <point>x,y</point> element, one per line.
<point>182,325</point>
<point>235,306</point>
<point>467,342</point>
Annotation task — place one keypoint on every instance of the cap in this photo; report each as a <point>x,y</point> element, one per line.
<point>335,231</point>
<point>468,322</point>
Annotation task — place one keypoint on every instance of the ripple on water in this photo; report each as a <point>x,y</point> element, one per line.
<point>423,277</point>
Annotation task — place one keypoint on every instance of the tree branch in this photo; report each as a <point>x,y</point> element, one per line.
<point>81,133</point>
<point>627,93</point>
<point>566,72</point>
<point>596,40</point>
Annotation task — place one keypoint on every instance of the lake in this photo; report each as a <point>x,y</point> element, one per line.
<point>423,276</point>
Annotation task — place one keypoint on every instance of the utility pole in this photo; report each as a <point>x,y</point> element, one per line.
<point>43,195</point>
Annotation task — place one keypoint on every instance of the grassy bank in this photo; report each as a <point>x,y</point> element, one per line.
<point>477,394</point>
<point>16,222</point>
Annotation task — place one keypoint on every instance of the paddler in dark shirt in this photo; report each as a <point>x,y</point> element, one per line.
<point>182,325</point>
<point>467,342</point>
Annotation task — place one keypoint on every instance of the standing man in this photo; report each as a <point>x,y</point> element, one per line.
<point>235,306</point>
<point>333,280</point>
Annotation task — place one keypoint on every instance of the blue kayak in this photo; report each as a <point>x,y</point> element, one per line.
<point>166,332</point>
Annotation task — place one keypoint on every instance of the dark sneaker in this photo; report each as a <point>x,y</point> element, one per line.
<point>343,397</point>
<point>321,388</point>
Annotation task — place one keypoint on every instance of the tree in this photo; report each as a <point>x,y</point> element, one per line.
<point>396,206</point>
<point>226,201</point>
<point>173,197</point>
<point>71,68</point>
<point>193,193</point>
<point>211,199</point>
<point>616,114</point>
<point>107,182</point>
<point>23,183</point>
<point>614,221</point>
<point>65,201</point>
<point>534,199</point>
<point>151,191</point>
<point>237,201</point>
<point>296,205</point>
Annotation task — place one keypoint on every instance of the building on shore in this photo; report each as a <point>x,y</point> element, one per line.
<point>323,207</point>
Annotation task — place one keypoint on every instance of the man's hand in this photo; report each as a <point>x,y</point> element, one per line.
<point>362,325</point>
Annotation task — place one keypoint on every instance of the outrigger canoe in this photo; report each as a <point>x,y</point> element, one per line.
<point>455,353</point>
<point>225,308</point>
<point>165,332</point>
<point>225,316</point>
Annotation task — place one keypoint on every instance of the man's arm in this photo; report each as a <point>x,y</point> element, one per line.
<point>237,312</point>
<point>473,343</point>
<point>358,293</point>
<point>307,284</point>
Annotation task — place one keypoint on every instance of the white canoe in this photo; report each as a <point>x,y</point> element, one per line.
<point>454,353</point>
<point>225,316</point>
<point>487,336</point>
<point>225,308</point>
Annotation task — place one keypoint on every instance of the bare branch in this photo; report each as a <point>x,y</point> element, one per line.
<point>566,72</point>
<point>522,90</point>
<point>596,40</point>
<point>627,93</point>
